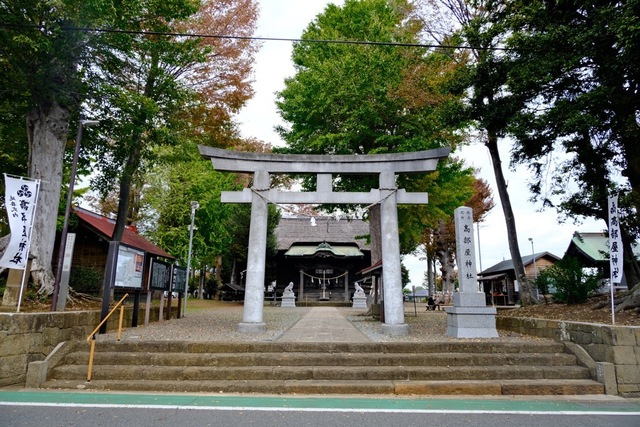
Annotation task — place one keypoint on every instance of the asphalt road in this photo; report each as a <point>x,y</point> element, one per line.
<point>29,408</point>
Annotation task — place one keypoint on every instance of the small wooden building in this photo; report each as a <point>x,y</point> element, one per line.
<point>93,234</point>
<point>499,281</point>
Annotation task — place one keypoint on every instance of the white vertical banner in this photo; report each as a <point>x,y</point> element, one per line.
<point>616,263</point>
<point>615,241</point>
<point>21,195</point>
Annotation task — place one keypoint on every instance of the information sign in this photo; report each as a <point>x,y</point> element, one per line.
<point>129,268</point>
<point>160,275</point>
<point>179,279</point>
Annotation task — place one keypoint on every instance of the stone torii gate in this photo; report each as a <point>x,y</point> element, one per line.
<point>386,166</point>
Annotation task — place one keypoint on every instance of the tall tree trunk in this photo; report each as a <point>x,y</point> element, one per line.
<point>431,286</point>
<point>124,197</point>
<point>233,280</point>
<point>47,131</point>
<point>201,280</point>
<point>630,300</point>
<point>218,274</point>
<point>135,154</point>
<point>446,258</point>
<point>527,295</point>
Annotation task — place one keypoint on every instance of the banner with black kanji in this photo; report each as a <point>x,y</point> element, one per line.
<point>21,195</point>
<point>615,242</point>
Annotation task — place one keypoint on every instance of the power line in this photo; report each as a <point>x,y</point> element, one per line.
<point>253,38</point>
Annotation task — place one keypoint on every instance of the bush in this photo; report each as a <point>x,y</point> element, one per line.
<point>87,280</point>
<point>545,285</point>
<point>573,285</point>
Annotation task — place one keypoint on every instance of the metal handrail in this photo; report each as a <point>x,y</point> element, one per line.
<point>92,335</point>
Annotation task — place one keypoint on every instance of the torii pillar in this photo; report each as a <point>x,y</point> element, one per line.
<point>386,166</point>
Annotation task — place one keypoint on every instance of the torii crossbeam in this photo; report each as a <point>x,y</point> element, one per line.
<point>386,166</point>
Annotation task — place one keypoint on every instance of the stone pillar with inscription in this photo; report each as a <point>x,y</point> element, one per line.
<point>469,317</point>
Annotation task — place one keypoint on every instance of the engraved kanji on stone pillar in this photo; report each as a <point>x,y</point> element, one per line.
<point>469,317</point>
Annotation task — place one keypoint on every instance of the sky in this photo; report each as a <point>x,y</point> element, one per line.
<point>288,19</point>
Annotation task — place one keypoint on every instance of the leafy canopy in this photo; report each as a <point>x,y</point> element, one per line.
<point>350,98</point>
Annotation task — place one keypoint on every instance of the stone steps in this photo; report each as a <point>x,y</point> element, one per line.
<point>322,359</point>
<point>248,373</point>
<point>490,368</point>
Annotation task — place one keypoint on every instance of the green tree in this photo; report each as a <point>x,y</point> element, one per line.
<point>54,68</point>
<point>350,98</point>
<point>576,65</point>
<point>13,151</point>
<point>159,89</point>
<point>180,178</point>
<point>138,93</point>
<point>490,104</point>
<point>572,284</point>
<point>239,224</point>
<point>222,230</point>
<point>42,70</point>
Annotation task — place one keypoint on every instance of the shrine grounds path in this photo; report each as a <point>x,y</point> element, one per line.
<point>214,321</point>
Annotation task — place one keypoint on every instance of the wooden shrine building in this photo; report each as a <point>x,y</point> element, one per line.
<point>321,257</point>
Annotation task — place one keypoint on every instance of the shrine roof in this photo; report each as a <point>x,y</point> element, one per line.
<point>299,230</point>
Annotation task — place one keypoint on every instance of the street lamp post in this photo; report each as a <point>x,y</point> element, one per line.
<point>535,270</point>
<point>533,254</point>
<point>67,213</point>
<point>480,286</point>
<point>194,205</point>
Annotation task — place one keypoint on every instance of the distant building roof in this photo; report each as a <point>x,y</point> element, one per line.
<point>592,247</point>
<point>233,286</point>
<point>507,265</point>
<point>327,229</point>
<point>104,226</point>
<point>420,293</point>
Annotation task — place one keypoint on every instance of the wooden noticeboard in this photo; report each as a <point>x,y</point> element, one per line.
<point>179,279</point>
<point>160,279</point>
<point>129,268</point>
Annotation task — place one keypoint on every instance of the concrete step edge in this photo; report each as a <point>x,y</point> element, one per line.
<point>321,372</point>
<point>319,359</point>
<point>282,347</point>
<point>471,387</point>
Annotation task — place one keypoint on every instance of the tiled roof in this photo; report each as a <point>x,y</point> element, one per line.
<point>327,229</point>
<point>104,227</point>
<point>593,246</point>
<point>507,265</point>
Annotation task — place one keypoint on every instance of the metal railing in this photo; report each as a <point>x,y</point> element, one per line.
<point>92,335</point>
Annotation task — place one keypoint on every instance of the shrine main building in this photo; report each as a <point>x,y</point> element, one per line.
<point>321,256</point>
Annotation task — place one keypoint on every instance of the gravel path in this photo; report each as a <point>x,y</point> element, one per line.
<point>218,322</point>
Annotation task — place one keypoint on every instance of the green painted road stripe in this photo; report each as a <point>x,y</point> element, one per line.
<point>320,403</point>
